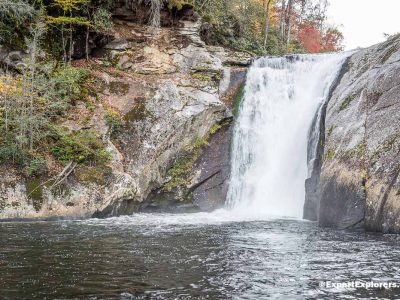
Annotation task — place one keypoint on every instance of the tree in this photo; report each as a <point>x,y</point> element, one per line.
<point>310,38</point>
<point>289,19</point>
<point>68,21</point>
<point>332,40</point>
<point>12,15</point>
<point>267,7</point>
<point>18,9</point>
<point>155,13</point>
<point>99,17</point>
<point>282,16</point>
<point>37,32</point>
<point>31,100</point>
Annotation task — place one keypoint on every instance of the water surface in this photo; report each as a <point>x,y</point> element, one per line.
<point>197,256</point>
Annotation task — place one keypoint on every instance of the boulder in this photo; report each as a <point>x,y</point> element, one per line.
<point>11,59</point>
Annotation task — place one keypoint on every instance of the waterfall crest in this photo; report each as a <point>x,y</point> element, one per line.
<point>269,155</point>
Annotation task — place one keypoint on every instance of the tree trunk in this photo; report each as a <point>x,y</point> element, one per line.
<point>71,43</point>
<point>64,44</point>
<point>267,4</point>
<point>282,18</point>
<point>324,6</point>
<point>303,4</point>
<point>87,43</point>
<point>289,23</point>
<point>33,50</point>
<point>155,13</point>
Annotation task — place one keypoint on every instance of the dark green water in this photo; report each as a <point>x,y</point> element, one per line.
<point>199,256</point>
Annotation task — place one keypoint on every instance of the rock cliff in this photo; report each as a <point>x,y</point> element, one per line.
<point>172,94</point>
<point>359,180</point>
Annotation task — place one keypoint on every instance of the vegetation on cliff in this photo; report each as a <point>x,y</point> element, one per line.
<point>39,93</point>
<point>259,26</point>
<point>263,26</point>
<point>270,26</point>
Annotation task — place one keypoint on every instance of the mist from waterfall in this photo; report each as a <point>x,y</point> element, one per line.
<point>269,155</point>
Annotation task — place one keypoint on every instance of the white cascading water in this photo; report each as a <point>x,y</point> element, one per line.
<point>269,154</point>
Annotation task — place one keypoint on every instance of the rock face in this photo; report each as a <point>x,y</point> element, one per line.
<point>11,59</point>
<point>210,187</point>
<point>316,142</point>
<point>359,182</point>
<point>170,91</point>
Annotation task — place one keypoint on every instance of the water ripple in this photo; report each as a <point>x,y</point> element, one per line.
<point>198,256</point>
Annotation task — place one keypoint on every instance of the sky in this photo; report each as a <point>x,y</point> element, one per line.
<point>364,22</point>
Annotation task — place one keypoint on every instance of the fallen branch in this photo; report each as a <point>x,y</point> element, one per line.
<point>59,178</point>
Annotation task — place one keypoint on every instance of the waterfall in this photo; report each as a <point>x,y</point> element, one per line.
<point>269,152</point>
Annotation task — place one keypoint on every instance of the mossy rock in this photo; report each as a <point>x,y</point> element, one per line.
<point>119,88</point>
<point>373,98</point>
<point>330,131</point>
<point>388,145</point>
<point>179,173</point>
<point>218,126</point>
<point>346,103</point>
<point>212,78</point>
<point>202,77</point>
<point>238,99</point>
<point>389,53</point>
<point>114,122</point>
<point>329,154</point>
<point>90,174</point>
<point>138,113</point>
<point>35,192</point>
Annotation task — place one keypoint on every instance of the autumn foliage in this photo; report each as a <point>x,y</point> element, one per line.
<point>315,41</point>
<point>310,39</point>
<point>332,40</point>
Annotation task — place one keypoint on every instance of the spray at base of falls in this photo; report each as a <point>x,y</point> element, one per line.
<point>269,152</point>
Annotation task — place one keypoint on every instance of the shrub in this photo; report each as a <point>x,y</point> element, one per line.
<point>114,123</point>
<point>30,104</point>
<point>81,147</point>
<point>102,20</point>
<point>12,153</point>
<point>13,17</point>
<point>35,166</point>
<point>69,82</point>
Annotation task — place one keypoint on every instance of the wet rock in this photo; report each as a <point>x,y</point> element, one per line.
<point>317,140</point>
<point>210,187</point>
